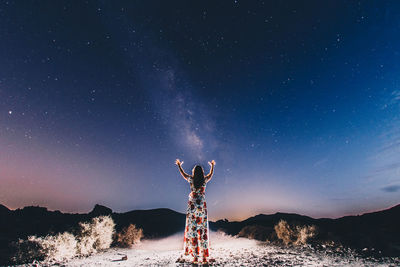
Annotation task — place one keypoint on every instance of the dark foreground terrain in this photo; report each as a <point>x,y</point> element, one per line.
<point>376,233</point>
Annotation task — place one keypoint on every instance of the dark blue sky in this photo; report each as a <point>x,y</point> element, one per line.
<point>297,102</point>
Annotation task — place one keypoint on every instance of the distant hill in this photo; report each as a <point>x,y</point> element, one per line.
<point>233,228</point>
<point>379,230</point>
<point>4,210</point>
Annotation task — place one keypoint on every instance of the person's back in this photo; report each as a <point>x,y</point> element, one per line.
<point>196,228</point>
<point>198,182</point>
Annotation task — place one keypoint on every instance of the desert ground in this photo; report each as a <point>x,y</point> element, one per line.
<point>228,251</point>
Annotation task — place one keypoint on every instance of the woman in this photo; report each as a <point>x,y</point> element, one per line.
<point>196,229</point>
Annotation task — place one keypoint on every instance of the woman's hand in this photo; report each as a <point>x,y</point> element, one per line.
<point>178,162</point>
<point>212,163</point>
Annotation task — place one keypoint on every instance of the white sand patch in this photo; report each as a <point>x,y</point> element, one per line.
<point>227,251</point>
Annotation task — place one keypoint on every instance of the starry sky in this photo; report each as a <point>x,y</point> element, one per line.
<point>298,103</point>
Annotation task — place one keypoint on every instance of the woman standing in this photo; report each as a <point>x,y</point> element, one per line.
<point>196,229</point>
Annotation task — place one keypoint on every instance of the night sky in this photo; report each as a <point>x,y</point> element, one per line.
<point>298,102</point>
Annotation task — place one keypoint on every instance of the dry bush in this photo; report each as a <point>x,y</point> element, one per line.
<point>56,248</point>
<point>26,251</point>
<point>298,235</point>
<point>96,235</point>
<point>305,233</point>
<point>284,232</point>
<point>128,236</point>
<point>91,237</point>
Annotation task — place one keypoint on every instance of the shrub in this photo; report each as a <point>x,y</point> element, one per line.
<point>96,235</point>
<point>91,237</point>
<point>128,236</point>
<point>305,233</point>
<point>298,235</point>
<point>26,251</point>
<point>56,248</point>
<point>284,232</point>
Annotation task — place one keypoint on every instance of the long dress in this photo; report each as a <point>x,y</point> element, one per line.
<point>196,229</point>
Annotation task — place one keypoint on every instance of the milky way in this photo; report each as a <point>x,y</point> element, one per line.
<point>297,103</point>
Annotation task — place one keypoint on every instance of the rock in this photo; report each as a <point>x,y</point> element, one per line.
<point>100,210</point>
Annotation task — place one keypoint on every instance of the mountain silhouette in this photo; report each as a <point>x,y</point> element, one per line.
<point>4,211</point>
<point>99,210</point>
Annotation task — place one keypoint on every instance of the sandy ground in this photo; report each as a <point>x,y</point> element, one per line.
<point>227,251</point>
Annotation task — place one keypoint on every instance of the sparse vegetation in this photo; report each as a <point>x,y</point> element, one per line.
<point>305,233</point>
<point>284,232</point>
<point>296,235</point>
<point>96,235</point>
<point>56,248</point>
<point>91,237</point>
<point>128,236</point>
<point>26,251</point>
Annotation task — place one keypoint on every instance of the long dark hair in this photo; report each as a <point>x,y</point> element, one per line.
<point>198,176</point>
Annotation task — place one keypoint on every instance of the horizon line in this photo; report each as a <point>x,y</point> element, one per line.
<point>38,206</point>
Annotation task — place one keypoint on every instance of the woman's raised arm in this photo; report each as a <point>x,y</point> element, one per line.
<point>184,174</point>
<point>208,176</point>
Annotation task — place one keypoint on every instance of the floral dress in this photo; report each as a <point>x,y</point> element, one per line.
<point>196,230</point>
